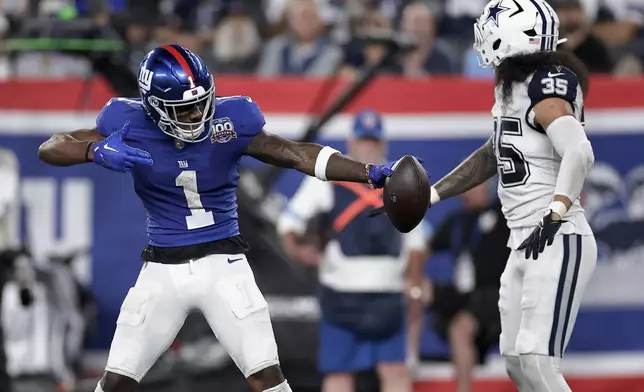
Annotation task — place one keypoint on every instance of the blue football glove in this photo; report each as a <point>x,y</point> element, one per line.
<point>378,173</point>
<point>112,153</point>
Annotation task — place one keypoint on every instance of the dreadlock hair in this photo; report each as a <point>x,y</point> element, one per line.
<point>516,69</point>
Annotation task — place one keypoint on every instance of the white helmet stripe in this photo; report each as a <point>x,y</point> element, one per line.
<point>544,21</point>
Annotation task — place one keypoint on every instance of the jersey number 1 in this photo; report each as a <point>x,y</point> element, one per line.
<point>198,217</point>
<point>514,170</point>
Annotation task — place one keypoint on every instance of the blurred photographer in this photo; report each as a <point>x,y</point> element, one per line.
<point>13,264</point>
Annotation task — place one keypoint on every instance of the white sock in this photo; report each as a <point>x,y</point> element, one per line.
<point>283,387</point>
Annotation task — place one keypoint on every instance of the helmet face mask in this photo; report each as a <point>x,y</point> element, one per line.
<point>178,92</point>
<point>512,27</point>
<point>175,116</point>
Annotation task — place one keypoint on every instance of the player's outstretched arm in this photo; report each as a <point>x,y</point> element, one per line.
<point>303,157</point>
<point>475,170</point>
<point>66,149</point>
<point>69,148</point>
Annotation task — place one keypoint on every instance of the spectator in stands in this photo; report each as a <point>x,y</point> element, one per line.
<point>432,56</point>
<point>305,49</point>
<point>137,25</point>
<point>43,65</point>
<point>4,59</point>
<point>236,39</point>
<point>366,267</point>
<point>361,54</point>
<point>467,313</point>
<point>621,23</point>
<point>225,32</point>
<point>576,27</point>
<point>622,28</point>
<point>458,18</point>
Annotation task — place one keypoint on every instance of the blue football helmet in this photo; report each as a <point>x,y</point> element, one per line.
<point>178,92</point>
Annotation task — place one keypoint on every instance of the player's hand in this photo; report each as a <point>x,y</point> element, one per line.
<point>309,254</point>
<point>543,234</point>
<point>112,152</point>
<point>378,173</point>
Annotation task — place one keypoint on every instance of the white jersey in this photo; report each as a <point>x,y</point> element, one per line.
<point>339,271</point>
<point>528,164</point>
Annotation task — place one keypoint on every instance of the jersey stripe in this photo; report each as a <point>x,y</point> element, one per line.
<point>544,21</point>
<point>182,61</point>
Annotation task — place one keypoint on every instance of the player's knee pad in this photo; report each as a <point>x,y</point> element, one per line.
<point>526,343</point>
<point>543,373</point>
<point>283,387</point>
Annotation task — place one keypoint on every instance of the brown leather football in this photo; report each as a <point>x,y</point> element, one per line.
<point>406,194</point>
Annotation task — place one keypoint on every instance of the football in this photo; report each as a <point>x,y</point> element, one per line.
<point>406,194</point>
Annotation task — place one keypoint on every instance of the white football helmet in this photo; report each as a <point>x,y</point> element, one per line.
<point>510,27</point>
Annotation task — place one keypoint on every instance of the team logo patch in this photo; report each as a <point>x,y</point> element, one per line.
<point>223,130</point>
<point>145,79</point>
<point>494,12</point>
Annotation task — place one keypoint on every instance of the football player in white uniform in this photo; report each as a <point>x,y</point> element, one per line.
<point>542,156</point>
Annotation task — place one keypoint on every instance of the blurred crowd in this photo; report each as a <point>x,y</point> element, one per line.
<point>306,37</point>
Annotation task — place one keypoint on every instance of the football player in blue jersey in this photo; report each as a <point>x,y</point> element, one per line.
<point>182,146</point>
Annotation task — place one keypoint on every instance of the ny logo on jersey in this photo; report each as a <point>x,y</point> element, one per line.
<point>183,164</point>
<point>145,79</point>
<point>223,130</point>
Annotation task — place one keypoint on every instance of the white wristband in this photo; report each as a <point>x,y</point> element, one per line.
<point>322,160</point>
<point>558,207</point>
<point>433,196</point>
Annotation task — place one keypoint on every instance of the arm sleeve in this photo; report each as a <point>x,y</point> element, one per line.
<point>552,82</point>
<point>569,140</point>
<point>313,197</point>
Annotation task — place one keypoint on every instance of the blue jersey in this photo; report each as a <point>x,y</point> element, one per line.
<point>189,193</point>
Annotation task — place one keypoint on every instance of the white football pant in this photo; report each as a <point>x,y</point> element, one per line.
<point>539,302</point>
<point>222,287</point>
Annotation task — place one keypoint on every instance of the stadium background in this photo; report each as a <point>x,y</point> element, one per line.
<point>95,215</point>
